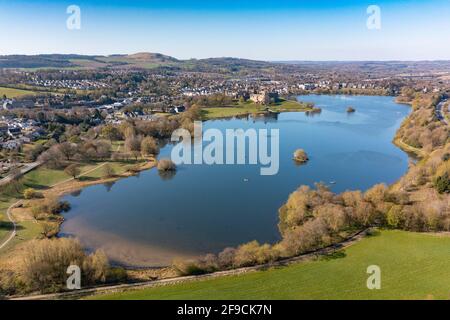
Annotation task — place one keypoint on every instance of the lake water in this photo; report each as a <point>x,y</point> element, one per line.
<point>149,220</point>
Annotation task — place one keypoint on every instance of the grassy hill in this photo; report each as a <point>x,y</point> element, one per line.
<point>413,266</point>
<point>148,60</point>
<point>143,60</point>
<point>70,61</point>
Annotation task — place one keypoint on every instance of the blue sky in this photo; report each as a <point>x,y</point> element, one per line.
<point>263,29</point>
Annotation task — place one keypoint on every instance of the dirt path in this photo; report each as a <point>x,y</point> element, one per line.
<point>80,175</point>
<point>14,231</point>
<point>8,211</point>
<point>84,173</point>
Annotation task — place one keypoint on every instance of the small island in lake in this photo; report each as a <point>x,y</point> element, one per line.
<point>166,165</point>
<point>300,156</point>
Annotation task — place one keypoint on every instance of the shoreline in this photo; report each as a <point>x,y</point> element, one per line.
<point>345,243</point>
<point>66,187</point>
<point>143,268</point>
<point>64,190</point>
<point>141,277</point>
<point>244,110</point>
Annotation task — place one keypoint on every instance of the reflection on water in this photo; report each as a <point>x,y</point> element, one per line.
<point>167,175</point>
<point>76,193</point>
<point>153,218</point>
<point>108,185</point>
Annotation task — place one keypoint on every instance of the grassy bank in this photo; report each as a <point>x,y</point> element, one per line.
<point>5,225</point>
<point>54,182</point>
<point>244,108</point>
<point>413,266</point>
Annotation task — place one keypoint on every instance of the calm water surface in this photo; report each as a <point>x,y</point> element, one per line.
<point>150,220</point>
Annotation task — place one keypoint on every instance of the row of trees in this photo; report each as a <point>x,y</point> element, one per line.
<point>58,155</point>
<point>315,218</point>
<point>213,100</point>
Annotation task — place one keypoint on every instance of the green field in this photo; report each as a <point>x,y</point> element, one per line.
<point>42,177</point>
<point>5,226</point>
<point>15,93</point>
<point>413,266</point>
<point>249,108</point>
<point>225,112</point>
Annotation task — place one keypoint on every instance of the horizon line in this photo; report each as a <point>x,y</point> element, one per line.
<point>230,57</point>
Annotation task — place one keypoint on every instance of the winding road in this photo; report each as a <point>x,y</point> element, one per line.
<point>440,112</point>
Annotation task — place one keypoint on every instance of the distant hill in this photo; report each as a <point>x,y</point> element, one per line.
<point>148,60</point>
<point>138,60</point>
<point>144,60</point>
<point>41,61</point>
<point>151,57</point>
<point>141,60</point>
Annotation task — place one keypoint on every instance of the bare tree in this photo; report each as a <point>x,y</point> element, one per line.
<point>72,170</point>
<point>108,171</point>
<point>149,146</point>
<point>67,149</point>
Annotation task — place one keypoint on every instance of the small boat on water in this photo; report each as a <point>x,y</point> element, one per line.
<point>332,182</point>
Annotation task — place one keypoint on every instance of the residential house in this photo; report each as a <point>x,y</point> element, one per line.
<point>14,131</point>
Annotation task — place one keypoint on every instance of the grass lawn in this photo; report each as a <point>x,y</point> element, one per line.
<point>43,177</point>
<point>15,93</point>
<point>224,112</point>
<point>413,266</point>
<point>5,226</point>
<point>40,178</point>
<point>249,107</point>
<point>26,230</point>
<point>118,167</point>
<point>117,146</point>
<point>289,105</point>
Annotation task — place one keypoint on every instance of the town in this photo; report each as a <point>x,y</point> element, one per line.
<point>216,152</point>
<point>33,102</point>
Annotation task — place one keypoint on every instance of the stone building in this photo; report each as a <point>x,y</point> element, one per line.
<point>264,97</point>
